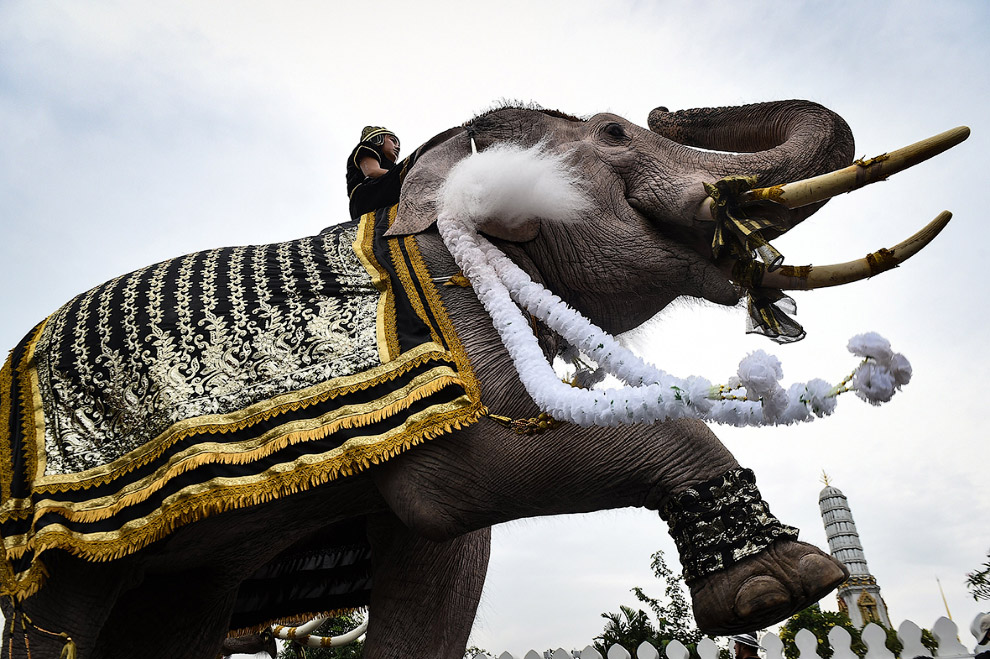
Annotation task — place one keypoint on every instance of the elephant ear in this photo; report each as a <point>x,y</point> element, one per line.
<point>418,203</point>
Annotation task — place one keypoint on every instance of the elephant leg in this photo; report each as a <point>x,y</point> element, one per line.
<point>425,592</point>
<point>76,599</point>
<point>186,611</point>
<point>485,475</point>
<point>745,569</point>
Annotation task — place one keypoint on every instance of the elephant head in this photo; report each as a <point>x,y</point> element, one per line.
<point>649,206</point>
<point>645,188</point>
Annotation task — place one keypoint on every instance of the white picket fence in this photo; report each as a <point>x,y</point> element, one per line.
<point>944,631</point>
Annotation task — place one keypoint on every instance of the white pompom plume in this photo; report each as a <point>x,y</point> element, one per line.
<point>882,372</point>
<point>512,184</point>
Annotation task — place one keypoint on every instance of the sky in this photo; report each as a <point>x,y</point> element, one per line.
<point>135,131</point>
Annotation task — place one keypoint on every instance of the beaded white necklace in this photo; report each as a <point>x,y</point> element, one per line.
<point>650,394</point>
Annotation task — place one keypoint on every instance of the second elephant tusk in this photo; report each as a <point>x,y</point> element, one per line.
<point>302,634</point>
<point>810,277</point>
<point>855,176</point>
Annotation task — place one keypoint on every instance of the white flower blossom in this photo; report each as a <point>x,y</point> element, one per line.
<point>873,383</point>
<point>819,396</point>
<point>900,368</point>
<point>760,372</point>
<point>870,345</point>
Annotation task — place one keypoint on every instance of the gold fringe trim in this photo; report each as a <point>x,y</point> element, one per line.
<point>385,328</point>
<point>6,468</point>
<point>405,277</point>
<point>106,507</point>
<point>188,508</point>
<point>18,387</point>
<point>33,420</point>
<point>185,508</point>
<point>25,584</point>
<point>446,327</point>
<point>236,421</point>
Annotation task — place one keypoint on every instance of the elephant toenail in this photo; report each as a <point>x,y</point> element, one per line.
<point>760,596</point>
<point>820,574</point>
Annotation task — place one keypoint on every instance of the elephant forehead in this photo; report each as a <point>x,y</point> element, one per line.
<point>525,126</point>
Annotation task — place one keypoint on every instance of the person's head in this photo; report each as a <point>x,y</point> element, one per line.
<point>746,645</point>
<point>981,629</point>
<point>384,138</point>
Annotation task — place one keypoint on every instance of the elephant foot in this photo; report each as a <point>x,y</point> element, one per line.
<point>764,589</point>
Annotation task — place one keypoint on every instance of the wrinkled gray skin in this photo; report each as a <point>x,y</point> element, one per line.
<point>430,510</point>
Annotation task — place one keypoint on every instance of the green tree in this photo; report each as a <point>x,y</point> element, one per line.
<point>627,628</point>
<point>335,626</point>
<point>820,623</point>
<point>978,581</point>
<point>674,618</point>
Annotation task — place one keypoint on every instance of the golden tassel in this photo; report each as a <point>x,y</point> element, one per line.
<point>69,649</point>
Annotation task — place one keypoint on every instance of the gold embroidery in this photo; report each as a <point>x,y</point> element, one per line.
<point>198,361</point>
<point>33,419</point>
<point>388,340</point>
<point>256,448</point>
<point>6,391</point>
<point>405,277</point>
<point>471,384</point>
<point>239,420</point>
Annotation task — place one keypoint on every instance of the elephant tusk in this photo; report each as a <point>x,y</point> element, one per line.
<point>301,634</point>
<point>810,277</point>
<point>853,177</point>
<point>337,641</point>
<point>289,633</point>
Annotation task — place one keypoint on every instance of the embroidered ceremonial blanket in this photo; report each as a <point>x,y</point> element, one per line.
<point>216,381</point>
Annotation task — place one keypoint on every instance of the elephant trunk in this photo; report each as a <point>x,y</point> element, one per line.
<point>777,142</point>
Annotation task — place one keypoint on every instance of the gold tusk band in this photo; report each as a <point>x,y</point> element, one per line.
<point>853,177</point>
<point>811,277</point>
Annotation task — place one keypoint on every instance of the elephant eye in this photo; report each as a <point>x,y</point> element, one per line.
<point>615,130</point>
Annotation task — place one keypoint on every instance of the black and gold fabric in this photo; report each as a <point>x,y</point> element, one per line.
<point>217,381</point>
<point>324,575</point>
<point>720,522</point>
<point>743,234</point>
<point>364,150</point>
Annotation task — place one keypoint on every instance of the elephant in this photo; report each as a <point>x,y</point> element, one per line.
<point>416,519</point>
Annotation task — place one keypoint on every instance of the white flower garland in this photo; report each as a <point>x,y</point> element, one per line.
<point>652,395</point>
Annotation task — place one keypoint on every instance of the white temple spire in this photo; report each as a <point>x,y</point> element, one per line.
<point>859,595</point>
